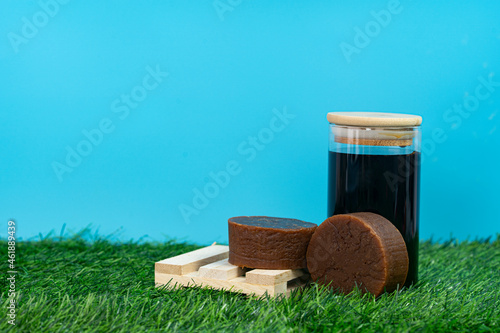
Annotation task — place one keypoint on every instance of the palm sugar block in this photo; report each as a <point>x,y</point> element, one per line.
<point>269,242</point>
<point>358,249</point>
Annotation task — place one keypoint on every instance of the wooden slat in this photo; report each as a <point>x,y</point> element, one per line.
<point>209,267</point>
<point>295,284</point>
<point>271,277</point>
<point>220,270</point>
<point>192,261</point>
<point>236,285</point>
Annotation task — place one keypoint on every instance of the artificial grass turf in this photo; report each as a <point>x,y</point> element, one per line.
<point>73,285</point>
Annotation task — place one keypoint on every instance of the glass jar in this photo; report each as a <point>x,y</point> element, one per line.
<point>374,166</point>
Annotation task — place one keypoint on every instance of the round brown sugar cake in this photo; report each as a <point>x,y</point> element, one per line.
<point>269,242</point>
<point>358,249</point>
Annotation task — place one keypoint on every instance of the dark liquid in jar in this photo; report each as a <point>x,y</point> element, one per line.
<point>383,184</point>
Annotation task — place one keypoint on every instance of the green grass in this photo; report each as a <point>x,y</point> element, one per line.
<point>72,285</point>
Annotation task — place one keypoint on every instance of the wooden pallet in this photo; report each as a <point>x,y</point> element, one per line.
<point>208,266</point>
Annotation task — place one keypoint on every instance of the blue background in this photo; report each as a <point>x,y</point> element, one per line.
<point>228,70</point>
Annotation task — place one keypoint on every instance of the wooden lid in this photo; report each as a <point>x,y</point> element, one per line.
<point>374,119</point>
